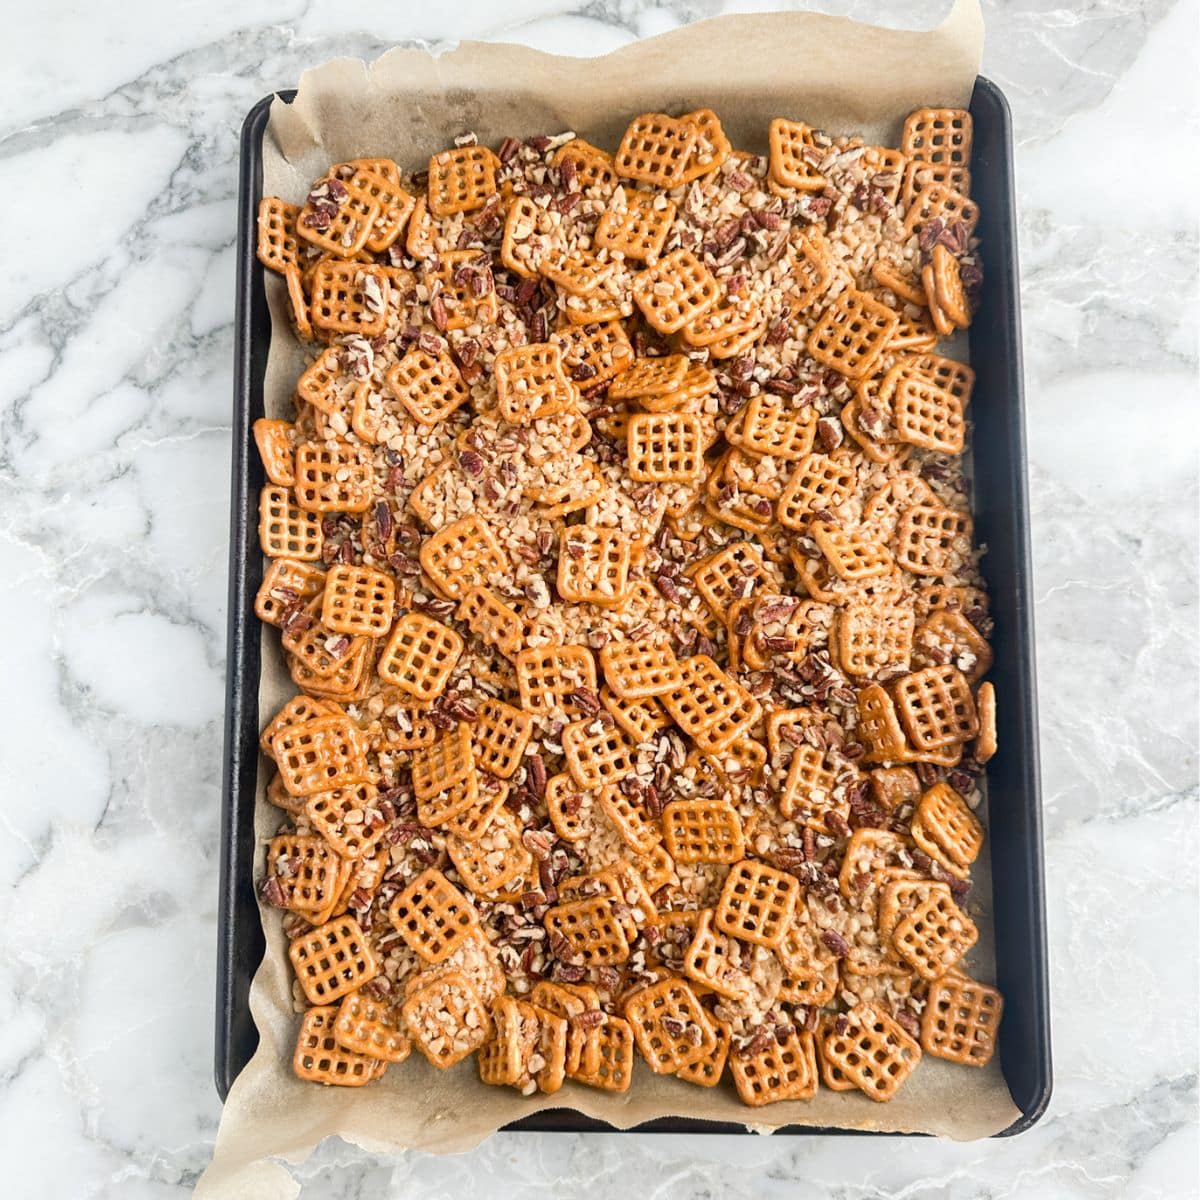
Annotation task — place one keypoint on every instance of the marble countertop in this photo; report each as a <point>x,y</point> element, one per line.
<point>118,141</point>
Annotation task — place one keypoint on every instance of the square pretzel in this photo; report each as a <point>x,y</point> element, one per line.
<point>609,1065</point>
<point>462,292</point>
<point>377,180</point>
<point>349,297</point>
<point>420,656</point>
<point>641,719</point>
<point>946,829</point>
<point>450,804</point>
<point>757,903</point>
<point>928,416</point>
<point>820,481</point>
<point>675,291</point>
<point>332,476</point>
<point>492,620</point>
<point>665,447</point>
<point>429,386</point>
<point>813,271</point>
<point>364,1026</point>
<point>879,727</point>
<point>461,180</point>
<point>577,274</point>
<point>782,1070</point>
<point>493,860</point>
<point>938,135</point>
<point>713,960</point>
<point>918,173</point>
<point>594,354</point>
<point>340,221</point>
<point>450,760</point>
<point>472,823</point>
<point>305,870</point>
<point>433,916</point>
<point>961,1020</point>
<point>703,831</point>
<point>583,167</point>
<point>531,383</point>
<point>285,530</point>
<point>795,156</point>
<point>358,600</point>
<point>931,540</point>
<point>731,573</point>
<point>629,818</point>
<point>935,935</point>
<point>287,582</point>
<point>635,670</point>
<point>947,373</point>
<point>278,247</point>
<point>274,442</point>
<point>873,1051</point>
<point>663,1017</point>
<point>597,753</point>
<point>872,637</point>
<point>343,817</point>
<point>317,755</point>
<point>462,555</point>
<point>650,377</point>
<point>852,334</point>
<point>332,960</point>
<point>937,201</point>
<point>499,736</point>
<point>851,555</point>
<point>772,428</point>
<point>318,383</point>
<point>593,932</point>
<point>635,225</point>
<point>810,783</point>
<point>593,565</point>
<point>656,149</point>
<point>710,706</point>
<point>446,1019</point>
<point>548,677</point>
<point>936,707</point>
<point>318,1058</point>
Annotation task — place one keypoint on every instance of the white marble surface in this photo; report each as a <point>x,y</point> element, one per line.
<point>118,143</point>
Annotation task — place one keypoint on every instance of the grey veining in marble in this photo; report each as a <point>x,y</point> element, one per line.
<point>118,144</point>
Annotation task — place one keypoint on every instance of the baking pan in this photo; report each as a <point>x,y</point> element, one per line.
<point>1001,521</point>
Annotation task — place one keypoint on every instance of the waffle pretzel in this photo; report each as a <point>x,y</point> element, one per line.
<point>656,149</point>
<point>635,225</point>
<point>703,831</point>
<point>332,960</point>
<point>937,708</point>
<point>446,1019</point>
<point>852,333</point>
<point>636,670</point>
<point>344,232</point>
<point>593,565</point>
<point>711,707</point>
<point>314,756</point>
<point>676,290</point>
<point>872,637</point>
<point>419,656</point>
<point>496,858</point>
<point>591,929</point>
<point>306,872</point>
<point>285,530</point>
<point>946,829</point>
<point>795,156</point>
<point>463,555</point>
<point>449,760</point>
<point>931,540</point>
<point>665,447</point>
<point>363,1026</point>
<point>819,482</point>
<point>348,297</point>
<point>872,1051</point>
<point>429,386</point>
<point>332,476</point>
<point>433,916</point>
<point>757,902</point>
<point>531,383</point>
<point>663,1017</point>
<point>938,135</point>
<point>783,1070</point>
<point>461,180</point>
<point>961,1020</point>
<point>499,737</point>
<point>597,754</point>
<point>287,582</point>
<point>347,819</point>
<point>492,620</point>
<point>549,677</point>
<point>358,601</point>
<point>318,1057</point>
<point>935,935</point>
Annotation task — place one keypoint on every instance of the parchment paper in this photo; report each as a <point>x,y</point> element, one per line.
<point>837,74</point>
